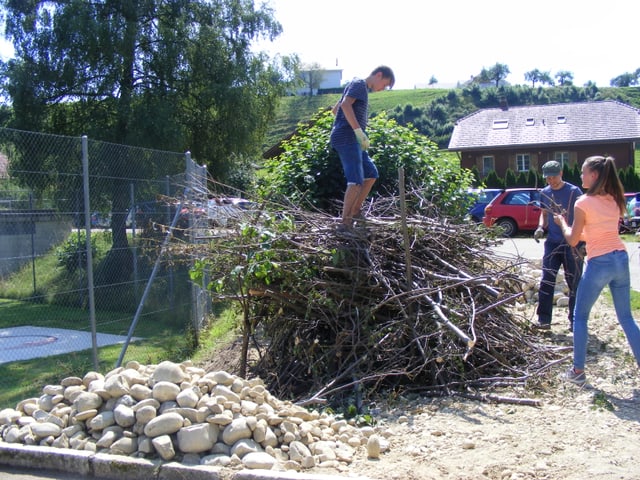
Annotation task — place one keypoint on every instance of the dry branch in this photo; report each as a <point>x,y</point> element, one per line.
<point>352,310</point>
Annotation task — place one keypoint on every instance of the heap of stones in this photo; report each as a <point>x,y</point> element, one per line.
<point>178,412</point>
<point>530,276</point>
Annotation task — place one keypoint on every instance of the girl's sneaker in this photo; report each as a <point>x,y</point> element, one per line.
<point>576,378</point>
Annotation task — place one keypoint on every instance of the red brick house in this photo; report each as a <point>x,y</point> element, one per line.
<point>524,138</point>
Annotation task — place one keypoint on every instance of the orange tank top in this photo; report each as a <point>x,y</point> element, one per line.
<point>602,217</point>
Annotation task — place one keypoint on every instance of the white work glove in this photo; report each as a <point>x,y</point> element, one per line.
<point>538,234</point>
<point>362,138</point>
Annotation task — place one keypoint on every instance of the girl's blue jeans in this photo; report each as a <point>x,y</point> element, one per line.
<point>611,269</point>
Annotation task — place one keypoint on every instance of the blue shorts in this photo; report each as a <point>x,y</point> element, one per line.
<point>356,163</point>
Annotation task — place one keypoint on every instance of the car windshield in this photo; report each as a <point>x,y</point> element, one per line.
<point>486,197</point>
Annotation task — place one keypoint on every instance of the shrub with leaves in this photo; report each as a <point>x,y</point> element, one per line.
<point>309,172</point>
<point>72,254</point>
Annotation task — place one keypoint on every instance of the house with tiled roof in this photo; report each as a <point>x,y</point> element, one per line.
<point>524,138</point>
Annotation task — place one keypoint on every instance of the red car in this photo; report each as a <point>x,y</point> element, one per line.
<point>514,209</point>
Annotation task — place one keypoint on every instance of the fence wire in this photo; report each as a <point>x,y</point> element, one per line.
<point>124,204</point>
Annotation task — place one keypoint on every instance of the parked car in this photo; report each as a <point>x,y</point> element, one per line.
<point>481,198</point>
<point>222,210</point>
<point>100,220</point>
<point>513,210</point>
<point>631,222</point>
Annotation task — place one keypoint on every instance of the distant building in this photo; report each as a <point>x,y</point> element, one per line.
<point>323,81</point>
<point>523,138</point>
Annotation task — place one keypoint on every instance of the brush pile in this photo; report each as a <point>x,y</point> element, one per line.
<point>402,301</point>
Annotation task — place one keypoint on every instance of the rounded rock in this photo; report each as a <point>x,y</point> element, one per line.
<point>165,424</point>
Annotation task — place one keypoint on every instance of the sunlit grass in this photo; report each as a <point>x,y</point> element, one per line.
<point>163,331</point>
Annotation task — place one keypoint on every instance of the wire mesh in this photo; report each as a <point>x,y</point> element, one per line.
<point>133,195</point>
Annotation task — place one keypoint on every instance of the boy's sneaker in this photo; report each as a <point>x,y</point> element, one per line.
<point>576,378</point>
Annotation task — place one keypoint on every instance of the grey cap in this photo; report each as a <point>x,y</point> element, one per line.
<point>551,169</point>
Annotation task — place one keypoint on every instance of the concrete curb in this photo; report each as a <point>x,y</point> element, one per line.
<point>118,467</point>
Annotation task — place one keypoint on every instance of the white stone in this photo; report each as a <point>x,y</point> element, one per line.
<point>216,460</point>
<point>101,421</point>
<point>165,391</point>
<point>140,392</point>
<point>220,377</point>
<point>124,446</point>
<point>145,414</point>
<point>197,438</point>
<point>258,460</point>
<point>164,447</point>
<point>298,451</point>
<point>188,398</point>
<point>373,446</point>
<point>236,430</point>
<point>107,439</point>
<point>124,416</point>
<point>168,372</point>
<point>87,401</point>
<point>9,415</point>
<point>226,392</point>
<point>245,446</point>
<point>45,429</point>
<point>164,424</point>
<point>116,386</point>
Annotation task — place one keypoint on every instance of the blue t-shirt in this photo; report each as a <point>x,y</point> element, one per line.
<point>342,133</point>
<point>557,201</point>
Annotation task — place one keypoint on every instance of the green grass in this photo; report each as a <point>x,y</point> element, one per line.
<point>163,338</point>
<point>635,302</point>
<point>166,333</point>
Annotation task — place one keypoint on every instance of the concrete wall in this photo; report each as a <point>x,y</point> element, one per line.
<point>25,233</point>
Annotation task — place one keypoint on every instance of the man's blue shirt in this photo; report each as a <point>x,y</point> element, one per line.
<point>558,201</point>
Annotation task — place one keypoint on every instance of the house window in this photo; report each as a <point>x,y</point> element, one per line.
<point>488,165</point>
<point>522,162</point>
<point>562,158</point>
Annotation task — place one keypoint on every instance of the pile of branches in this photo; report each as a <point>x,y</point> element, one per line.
<point>406,300</point>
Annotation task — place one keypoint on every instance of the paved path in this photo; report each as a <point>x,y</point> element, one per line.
<point>17,473</point>
<point>529,249</point>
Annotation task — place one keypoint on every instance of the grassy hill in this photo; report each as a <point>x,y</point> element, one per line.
<point>295,109</point>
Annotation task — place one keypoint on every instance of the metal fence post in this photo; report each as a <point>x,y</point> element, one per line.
<point>87,226</point>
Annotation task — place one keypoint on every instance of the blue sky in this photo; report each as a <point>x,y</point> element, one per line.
<point>453,40</point>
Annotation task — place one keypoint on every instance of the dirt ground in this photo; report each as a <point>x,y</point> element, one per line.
<point>576,433</point>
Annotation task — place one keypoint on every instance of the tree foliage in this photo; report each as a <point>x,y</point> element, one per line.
<point>564,77</point>
<point>165,74</point>
<point>626,79</point>
<point>496,74</point>
<point>534,76</point>
<point>309,171</point>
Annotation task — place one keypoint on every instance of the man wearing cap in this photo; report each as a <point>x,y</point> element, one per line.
<point>557,197</point>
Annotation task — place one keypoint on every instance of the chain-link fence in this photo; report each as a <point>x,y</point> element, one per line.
<point>84,263</point>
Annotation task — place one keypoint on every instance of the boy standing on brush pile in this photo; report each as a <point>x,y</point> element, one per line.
<point>349,139</point>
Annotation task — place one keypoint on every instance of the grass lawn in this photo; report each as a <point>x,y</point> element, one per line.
<point>164,339</point>
<point>166,331</point>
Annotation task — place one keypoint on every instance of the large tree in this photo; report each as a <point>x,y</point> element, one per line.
<point>627,79</point>
<point>536,75</point>
<point>498,73</point>
<point>166,74</point>
<point>564,77</point>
